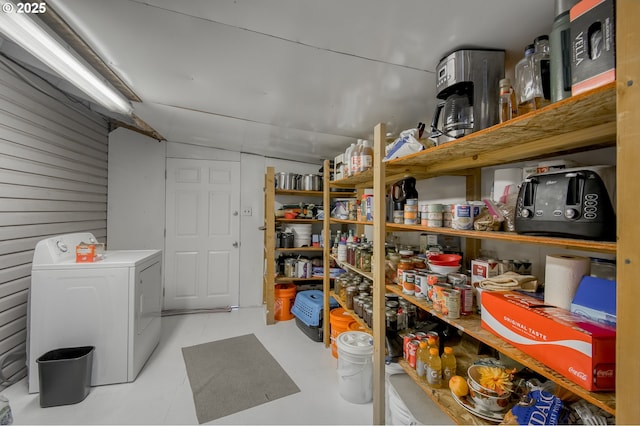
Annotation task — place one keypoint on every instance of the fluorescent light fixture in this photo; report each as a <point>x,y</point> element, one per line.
<point>26,33</point>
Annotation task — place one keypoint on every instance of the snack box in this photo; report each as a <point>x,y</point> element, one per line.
<point>85,253</point>
<point>482,269</point>
<point>580,349</point>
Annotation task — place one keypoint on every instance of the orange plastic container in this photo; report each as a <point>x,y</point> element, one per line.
<point>285,297</point>
<point>339,320</point>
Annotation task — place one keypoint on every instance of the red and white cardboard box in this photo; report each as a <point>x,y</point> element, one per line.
<point>580,349</point>
<point>482,269</point>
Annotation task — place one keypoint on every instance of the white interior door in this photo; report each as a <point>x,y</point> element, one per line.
<point>203,229</point>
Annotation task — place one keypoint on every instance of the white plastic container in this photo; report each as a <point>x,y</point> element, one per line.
<point>355,366</point>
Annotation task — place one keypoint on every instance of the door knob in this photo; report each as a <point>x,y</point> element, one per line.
<point>235,213</point>
<point>235,244</point>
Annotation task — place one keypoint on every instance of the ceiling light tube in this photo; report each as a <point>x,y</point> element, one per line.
<point>31,37</point>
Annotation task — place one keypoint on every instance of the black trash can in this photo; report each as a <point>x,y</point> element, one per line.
<point>65,375</point>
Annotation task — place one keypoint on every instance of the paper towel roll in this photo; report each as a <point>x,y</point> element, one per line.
<point>562,276</point>
<point>502,178</point>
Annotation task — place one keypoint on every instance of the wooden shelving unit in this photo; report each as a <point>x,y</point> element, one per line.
<point>580,123</point>
<point>270,250</point>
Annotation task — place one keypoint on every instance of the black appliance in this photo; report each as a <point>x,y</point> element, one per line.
<point>575,203</point>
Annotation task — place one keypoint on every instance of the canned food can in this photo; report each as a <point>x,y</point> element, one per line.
<point>421,285</point>
<point>413,350</point>
<point>398,216</point>
<point>434,223</point>
<point>405,340</point>
<point>435,335</point>
<point>466,298</point>
<point>457,279</point>
<point>420,335</point>
<point>452,304</point>
<point>462,216</point>
<point>408,282</point>
<point>434,208</point>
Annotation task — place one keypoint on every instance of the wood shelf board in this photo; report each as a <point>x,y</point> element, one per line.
<point>301,249</point>
<point>293,279</point>
<point>342,194</point>
<point>283,220</point>
<point>471,325</point>
<point>345,265</point>
<point>297,192</point>
<point>360,180</point>
<point>567,243</point>
<point>349,222</point>
<point>578,122</point>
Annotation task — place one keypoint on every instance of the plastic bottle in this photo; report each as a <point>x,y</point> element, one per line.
<point>342,250</point>
<point>350,236</point>
<point>507,101</point>
<point>525,94</point>
<point>356,157</point>
<point>366,156</point>
<point>336,242</point>
<point>422,357</point>
<point>346,168</point>
<point>432,342</point>
<point>541,71</point>
<point>448,360</point>
<point>434,369</point>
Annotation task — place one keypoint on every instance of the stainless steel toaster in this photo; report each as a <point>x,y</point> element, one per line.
<point>576,203</point>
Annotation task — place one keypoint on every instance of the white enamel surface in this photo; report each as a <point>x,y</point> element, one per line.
<point>295,79</point>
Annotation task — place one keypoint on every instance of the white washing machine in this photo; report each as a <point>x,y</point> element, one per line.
<point>113,304</point>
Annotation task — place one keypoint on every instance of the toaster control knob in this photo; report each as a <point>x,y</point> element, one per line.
<point>525,213</point>
<point>571,213</point>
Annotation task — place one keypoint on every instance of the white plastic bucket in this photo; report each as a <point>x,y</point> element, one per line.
<point>355,366</point>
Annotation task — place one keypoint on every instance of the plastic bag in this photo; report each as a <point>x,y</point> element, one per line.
<point>508,211</point>
<point>406,144</point>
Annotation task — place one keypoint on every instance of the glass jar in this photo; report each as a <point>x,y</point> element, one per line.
<point>404,265</point>
<point>419,263</point>
<point>369,316</point>
<point>351,291</point>
<point>367,256</point>
<point>391,320</point>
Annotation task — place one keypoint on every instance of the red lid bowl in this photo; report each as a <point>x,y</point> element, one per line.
<point>445,259</point>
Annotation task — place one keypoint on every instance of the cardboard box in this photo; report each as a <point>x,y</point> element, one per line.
<point>593,52</point>
<point>580,349</point>
<point>481,269</point>
<point>595,299</point>
<point>85,253</point>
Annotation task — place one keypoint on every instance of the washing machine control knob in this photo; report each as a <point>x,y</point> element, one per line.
<point>62,246</point>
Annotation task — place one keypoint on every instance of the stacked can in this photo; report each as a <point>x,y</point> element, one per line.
<point>430,214</point>
<point>411,211</point>
<point>447,216</point>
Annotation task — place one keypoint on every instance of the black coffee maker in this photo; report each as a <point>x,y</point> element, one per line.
<point>468,87</point>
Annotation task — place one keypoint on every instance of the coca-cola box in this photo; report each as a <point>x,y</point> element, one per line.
<point>582,350</point>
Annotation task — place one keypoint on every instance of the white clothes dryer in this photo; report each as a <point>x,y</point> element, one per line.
<point>113,304</point>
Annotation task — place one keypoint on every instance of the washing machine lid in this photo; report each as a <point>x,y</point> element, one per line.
<point>111,259</point>
<point>59,252</point>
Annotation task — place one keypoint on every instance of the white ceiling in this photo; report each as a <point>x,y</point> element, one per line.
<point>294,79</point>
